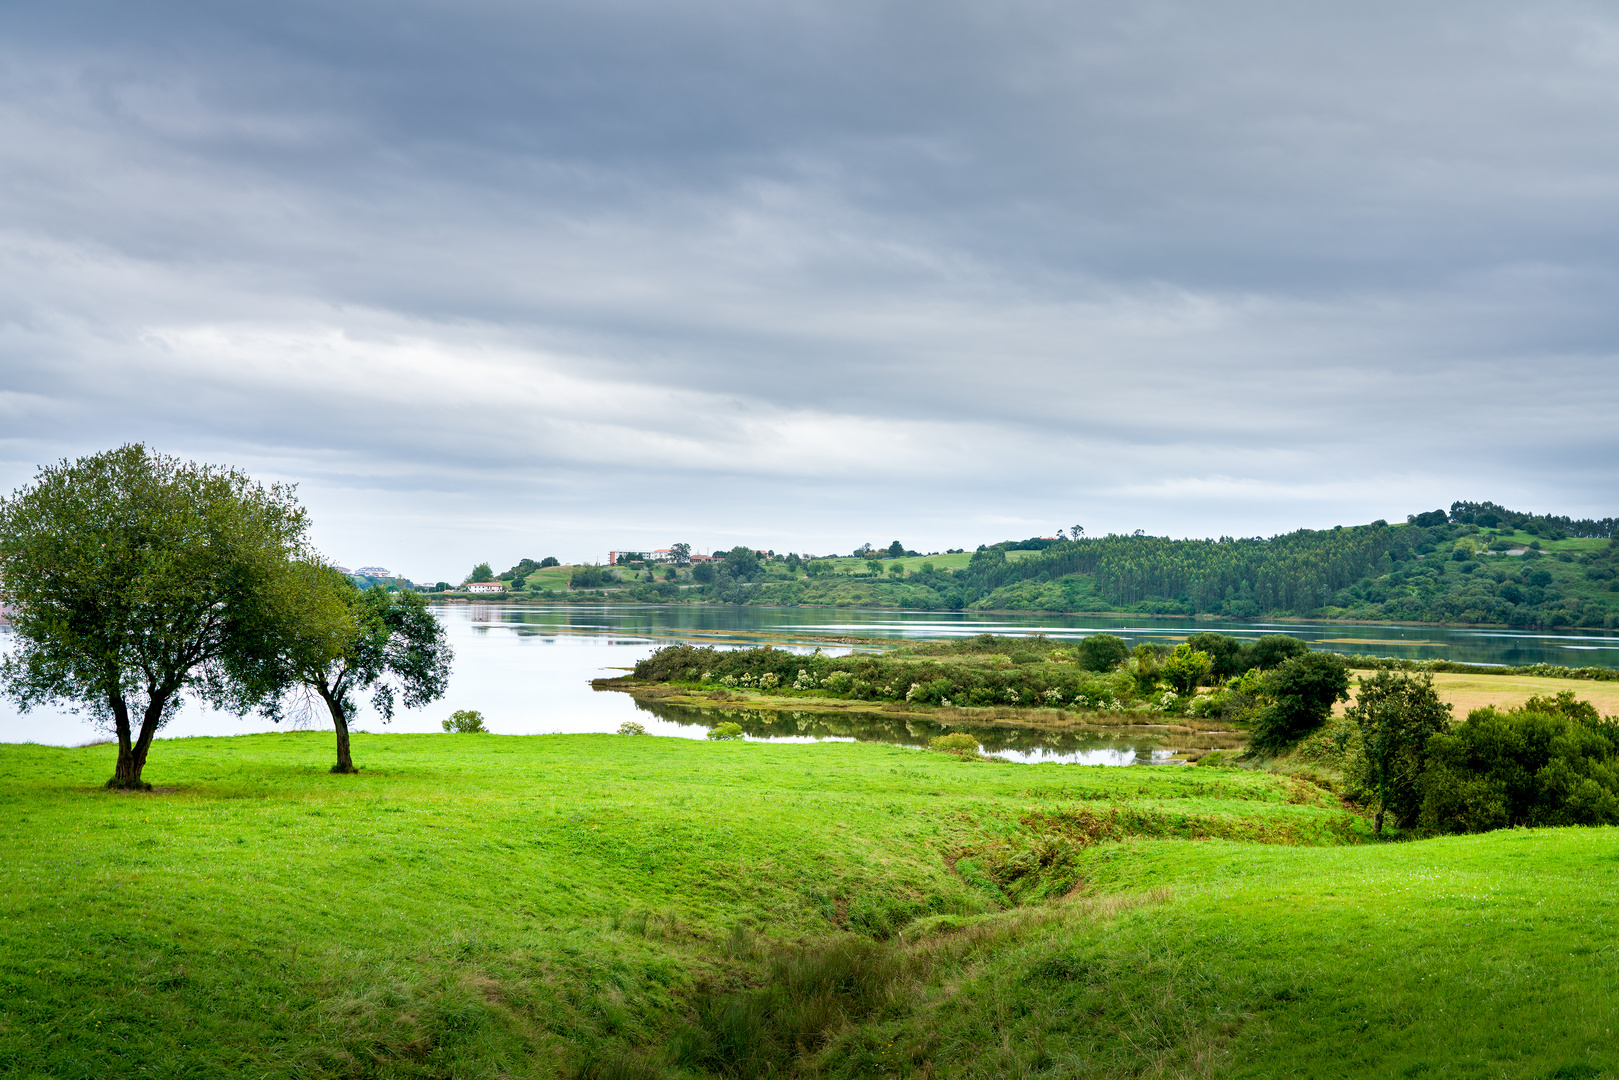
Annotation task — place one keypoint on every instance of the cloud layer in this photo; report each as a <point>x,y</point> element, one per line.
<point>493,280</point>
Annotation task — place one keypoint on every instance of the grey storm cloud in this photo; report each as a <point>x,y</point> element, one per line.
<point>488,278</point>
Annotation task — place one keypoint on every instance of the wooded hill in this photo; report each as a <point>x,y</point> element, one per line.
<point>1525,570</point>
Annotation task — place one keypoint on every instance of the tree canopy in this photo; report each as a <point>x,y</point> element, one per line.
<point>130,576</point>
<point>334,641</point>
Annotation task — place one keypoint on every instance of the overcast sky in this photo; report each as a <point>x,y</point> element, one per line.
<point>492,280</point>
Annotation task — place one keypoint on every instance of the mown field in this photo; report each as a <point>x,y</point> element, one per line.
<point>1468,692</point>
<point>484,906</point>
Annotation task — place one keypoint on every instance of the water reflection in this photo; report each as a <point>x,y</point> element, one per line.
<point>803,627</point>
<point>528,668</point>
<point>1029,745</point>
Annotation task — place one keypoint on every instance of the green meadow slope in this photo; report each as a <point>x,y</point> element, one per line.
<point>474,906</point>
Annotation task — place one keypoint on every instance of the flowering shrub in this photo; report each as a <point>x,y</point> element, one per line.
<point>805,680</point>
<point>630,727</point>
<point>727,730</point>
<point>1053,696</point>
<point>769,680</point>
<point>729,680</point>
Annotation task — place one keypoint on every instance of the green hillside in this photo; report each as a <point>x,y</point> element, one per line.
<point>1536,572</point>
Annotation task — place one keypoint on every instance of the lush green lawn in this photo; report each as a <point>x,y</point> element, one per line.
<point>488,905</point>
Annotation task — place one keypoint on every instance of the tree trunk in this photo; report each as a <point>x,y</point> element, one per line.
<point>334,702</point>
<point>1377,822</point>
<point>126,774</point>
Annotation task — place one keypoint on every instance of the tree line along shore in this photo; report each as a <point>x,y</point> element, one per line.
<point>1441,567</point>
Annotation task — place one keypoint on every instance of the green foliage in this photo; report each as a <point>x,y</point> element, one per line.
<point>481,573</point>
<point>132,577</point>
<point>1227,656</point>
<point>1550,761</point>
<point>741,563</point>
<point>466,722</point>
<point>549,560</point>
<point>1302,692</point>
<point>1273,650</point>
<point>1185,668</point>
<point>1102,652</point>
<point>891,678</point>
<point>589,576</point>
<point>726,731</point>
<point>630,727</point>
<point>1398,714</point>
<point>323,635</point>
<point>957,742</point>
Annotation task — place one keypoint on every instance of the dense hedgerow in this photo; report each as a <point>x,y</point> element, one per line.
<point>1551,761</point>
<point>880,678</point>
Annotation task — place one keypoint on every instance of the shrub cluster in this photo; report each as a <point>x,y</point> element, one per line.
<point>880,678</point>
<point>1550,761</point>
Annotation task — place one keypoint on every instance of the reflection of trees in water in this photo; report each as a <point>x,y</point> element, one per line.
<point>875,727</point>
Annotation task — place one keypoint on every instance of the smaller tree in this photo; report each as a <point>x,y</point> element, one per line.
<point>896,569</point>
<point>465,722</point>
<point>1225,653</point>
<point>680,553</point>
<point>896,550</point>
<point>1397,713</point>
<point>334,641</point>
<point>1273,650</point>
<point>874,567</point>
<point>1185,668</point>
<point>1303,691</point>
<point>481,573</point>
<point>549,560</point>
<point>588,576</point>
<point>1102,652</point>
<point>742,563</point>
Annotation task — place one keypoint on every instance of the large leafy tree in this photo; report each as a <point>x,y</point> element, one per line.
<point>331,641</point>
<point>130,576</point>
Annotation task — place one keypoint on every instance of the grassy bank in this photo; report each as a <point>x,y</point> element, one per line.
<point>596,905</point>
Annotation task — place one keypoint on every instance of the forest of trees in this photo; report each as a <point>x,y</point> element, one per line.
<point>1441,566</point>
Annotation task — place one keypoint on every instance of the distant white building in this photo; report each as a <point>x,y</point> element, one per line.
<point>345,571</point>
<point>486,586</point>
<point>374,571</point>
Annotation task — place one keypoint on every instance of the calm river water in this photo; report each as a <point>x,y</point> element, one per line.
<point>528,669</point>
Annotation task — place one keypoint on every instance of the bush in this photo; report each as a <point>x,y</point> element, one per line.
<point>1550,761</point>
<point>466,722</point>
<point>1102,652</point>
<point>959,743</point>
<point>588,577</point>
<point>1274,650</point>
<point>727,730</point>
<point>1302,691</point>
<point>630,727</point>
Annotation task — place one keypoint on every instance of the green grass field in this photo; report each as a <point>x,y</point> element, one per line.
<point>491,906</point>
